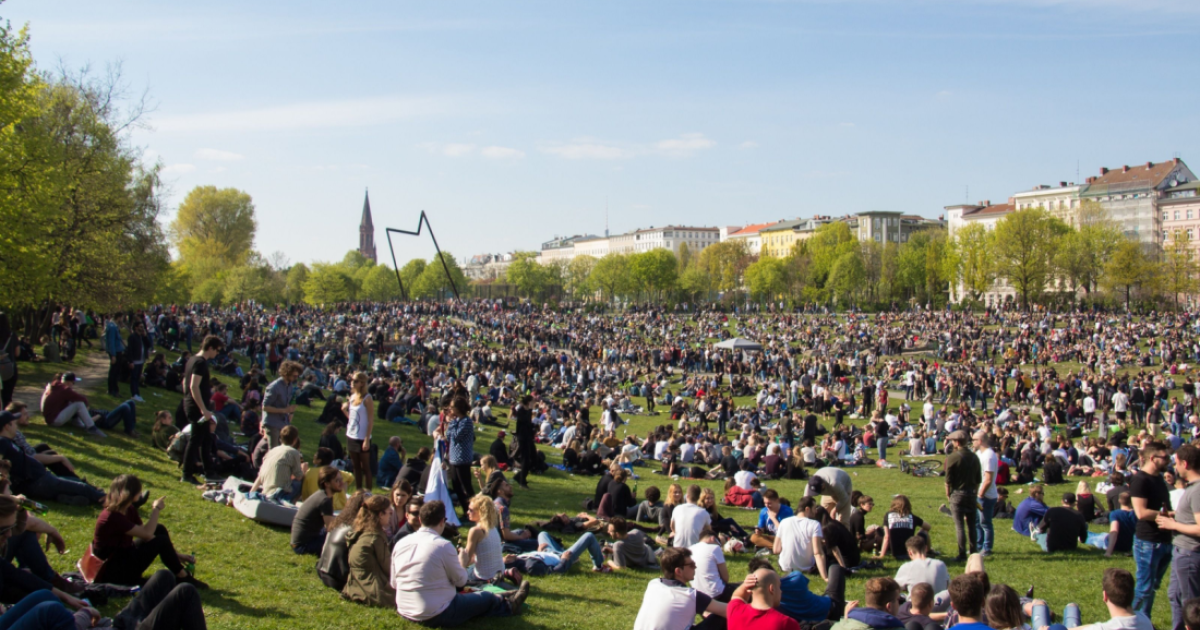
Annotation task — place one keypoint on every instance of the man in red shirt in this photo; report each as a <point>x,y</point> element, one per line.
<point>752,606</point>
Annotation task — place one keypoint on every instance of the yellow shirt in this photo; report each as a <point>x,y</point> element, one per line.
<point>310,485</point>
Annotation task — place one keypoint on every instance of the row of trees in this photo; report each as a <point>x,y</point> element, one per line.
<point>78,206</point>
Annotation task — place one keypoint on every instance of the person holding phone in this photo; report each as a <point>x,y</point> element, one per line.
<point>197,397</point>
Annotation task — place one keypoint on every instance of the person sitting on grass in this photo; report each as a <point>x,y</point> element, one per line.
<point>483,552</point>
<point>882,604</point>
<point>312,481</point>
<point>900,524</point>
<point>968,594</point>
<point>1117,591</point>
<point>333,567</point>
<point>755,602</point>
<point>773,512</point>
<point>127,545</point>
<point>1030,511</point>
<point>921,569</point>
<point>712,574</point>
<point>369,581</point>
<point>282,473</point>
<point>1003,509</point>
<point>629,548</point>
<point>670,603</point>
<point>1003,609</point>
<point>391,462</point>
<point>1062,528</point>
<point>1122,525</point>
<point>427,574</point>
<point>61,404</point>
<point>164,430</point>
<point>30,478</point>
<point>57,464</point>
<point>313,519</point>
<point>916,615</point>
<point>803,605</point>
<point>501,493</point>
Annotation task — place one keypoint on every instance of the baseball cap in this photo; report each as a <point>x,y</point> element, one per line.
<point>69,377</point>
<point>6,417</point>
<point>501,434</point>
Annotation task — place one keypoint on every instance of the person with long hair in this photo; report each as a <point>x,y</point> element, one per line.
<point>400,495</point>
<point>360,409</point>
<point>334,565</point>
<point>370,556</point>
<point>127,545</point>
<point>484,548</point>
<point>900,524</point>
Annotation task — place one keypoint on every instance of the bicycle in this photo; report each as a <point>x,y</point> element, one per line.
<point>929,468</point>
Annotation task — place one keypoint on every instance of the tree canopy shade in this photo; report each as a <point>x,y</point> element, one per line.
<point>1026,244</point>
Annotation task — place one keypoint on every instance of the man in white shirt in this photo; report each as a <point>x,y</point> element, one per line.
<point>800,541</point>
<point>985,533</point>
<point>688,520</point>
<point>670,604</point>
<point>427,574</point>
<point>1117,592</point>
<point>712,576</point>
<point>742,479</point>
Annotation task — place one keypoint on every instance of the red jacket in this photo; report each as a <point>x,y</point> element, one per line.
<point>59,397</point>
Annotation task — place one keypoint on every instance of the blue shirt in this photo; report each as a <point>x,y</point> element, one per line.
<point>764,521</point>
<point>1029,511</point>
<point>112,338</point>
<point>1127,525</point>
<point>798,602</point>
<point>461,434</point>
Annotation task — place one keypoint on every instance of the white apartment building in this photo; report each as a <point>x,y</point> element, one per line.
<point>1061,201</point>
<point>751,235</point>
<point>987,215</point>
<point>1131,195</point>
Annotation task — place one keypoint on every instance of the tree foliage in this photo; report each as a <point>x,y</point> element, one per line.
<point>1026,244</point>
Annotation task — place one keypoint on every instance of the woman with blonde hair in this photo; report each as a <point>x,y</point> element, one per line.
<point>488,471</point>
<point>127,545</point>
<point>484,548</point>
<point>370,558</point>
<point>1085,502</point>
<point>360,409</point>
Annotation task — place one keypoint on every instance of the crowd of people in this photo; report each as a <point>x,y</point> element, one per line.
<point>991,392</point>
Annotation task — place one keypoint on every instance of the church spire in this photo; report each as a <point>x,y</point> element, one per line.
<point>366,231</point>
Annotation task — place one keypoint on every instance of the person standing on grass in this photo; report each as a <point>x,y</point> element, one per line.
<point>137,352</point>
<point>963,477</point>
<point>461,433</point>
<point>277,405</point>
<point>526,449</point>
<point>197,398</point>
<point>1151,544</point>
<point>360,408</point>
<point>1185,565</point>
<point>989,463</point>
<point>115,346</point>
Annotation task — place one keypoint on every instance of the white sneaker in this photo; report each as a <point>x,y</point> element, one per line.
<point>138,399</point>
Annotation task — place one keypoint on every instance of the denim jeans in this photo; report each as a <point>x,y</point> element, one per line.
<point>467,606</point>
<point>883,444</point>
<point>125,412</point>
<point>1152,560</point>
<point>50,488</point>
<point>40,610</point>
<point>135,379</point>
<point>985,533</point>
<point>24,548</point>
<point>1185,583</point>
<point>1041,617</point>
<point>587,541</point>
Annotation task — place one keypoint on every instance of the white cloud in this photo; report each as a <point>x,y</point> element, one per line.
<point>178,168</point>
<point>587,149</point>
<point>749,144</point>
<point>685,145</point>
<point>457,150</point>
<point>501,153</point>
<point>311,115</point>
<point>218,155</point>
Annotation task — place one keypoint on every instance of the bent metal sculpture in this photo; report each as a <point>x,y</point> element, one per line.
<point>424,221</point>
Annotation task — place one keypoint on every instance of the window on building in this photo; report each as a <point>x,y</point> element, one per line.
<point>1176,215</point>
<point>1166,216</point>
<point>1189,234</point>
<point>1189,214</point>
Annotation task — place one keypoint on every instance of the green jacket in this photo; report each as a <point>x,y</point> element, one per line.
<point>370,570</point>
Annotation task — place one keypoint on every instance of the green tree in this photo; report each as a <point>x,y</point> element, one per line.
<point>294,286</point>
<point>1083,253</point>
<point>214,229</point>
<point>766,277</point>
<point>693,281</point>
<point>380,284</point>
<point>848,276</point>
<point>530,277</point>
<point>1178,268</point>
<point>577,277</point>
<point>409,274</point>
<point>685,256</point>
<point>611,276</point>
<point>1128,268</point>
<point>328,284</point>
<point>973,260</point>
<point>655,272</point>
<point>1026,244</point>
<point>725,263</point>
<point>433,283</point>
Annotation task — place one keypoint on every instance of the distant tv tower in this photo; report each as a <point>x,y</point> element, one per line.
<point>606,217</point>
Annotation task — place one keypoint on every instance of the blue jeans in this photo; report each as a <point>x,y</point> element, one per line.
<point>985,534</point>
<point>49,488</point>
<point>24,548</point>
<point>1041,617</point>
<point>587,541</point>
<point>883,444</point>
<point>40,610</point>
<point>1185,583</point>
<point>1152,560</point>
<point>125,412</point>
<point>313,546</point>
<point>467,606</point>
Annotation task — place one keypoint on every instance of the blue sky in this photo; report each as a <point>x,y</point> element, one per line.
<point>513,122</point>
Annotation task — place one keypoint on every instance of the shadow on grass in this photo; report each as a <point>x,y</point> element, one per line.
<point>221,600</point>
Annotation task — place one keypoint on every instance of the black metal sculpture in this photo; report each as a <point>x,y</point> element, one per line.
<point>424,221</point>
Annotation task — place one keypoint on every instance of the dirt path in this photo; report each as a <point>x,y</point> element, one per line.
<point>94,373</point>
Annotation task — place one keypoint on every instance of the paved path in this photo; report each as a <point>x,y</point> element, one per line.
<point>94,373</point>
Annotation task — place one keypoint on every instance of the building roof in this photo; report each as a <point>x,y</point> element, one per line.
<point>1148,175</point>
<point>783,225</point>
<point>982,212</point>
<point>676,227</point>
<point>750,230</point>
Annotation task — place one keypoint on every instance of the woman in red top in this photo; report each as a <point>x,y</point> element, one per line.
<point>127,545</point>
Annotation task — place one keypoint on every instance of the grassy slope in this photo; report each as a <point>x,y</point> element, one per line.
<point>255,576</point>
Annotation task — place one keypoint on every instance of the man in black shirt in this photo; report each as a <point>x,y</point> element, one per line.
<point>197,396</point>
<point>810,427</point>
<point>1062,527</point>
<point>316,513</point>
<point>963,476</point>
<point>1151,545</point>
<point>526,451</point>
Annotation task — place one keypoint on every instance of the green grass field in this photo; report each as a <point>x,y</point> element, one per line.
<point>258,582</point>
